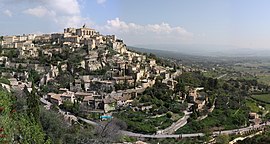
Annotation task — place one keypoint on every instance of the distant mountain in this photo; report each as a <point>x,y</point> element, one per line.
<point>166,54</point>
<point>184,58</point>
<point>209,50</point>
<point>208,60</point>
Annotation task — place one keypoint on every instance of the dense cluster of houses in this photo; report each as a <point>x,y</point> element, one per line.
<point>135,71</point>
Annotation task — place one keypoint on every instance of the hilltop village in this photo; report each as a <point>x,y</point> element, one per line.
<point>89,77</point>
<point>105,75</point>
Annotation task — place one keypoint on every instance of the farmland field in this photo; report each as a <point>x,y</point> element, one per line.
<point>262,97</point>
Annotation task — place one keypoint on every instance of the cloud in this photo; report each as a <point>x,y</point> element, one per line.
<point>8,13</point>
<point>69,7</point>
<point>101,1</point>
<point>39,11</point>
<point>71,21</point>
<point>65,13</point>
<point>141,34</point>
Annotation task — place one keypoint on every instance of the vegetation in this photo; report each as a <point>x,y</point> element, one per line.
<point>32,103</point>
<point>258,139</point>
<point>64,79</point>
<point>59,131</point>
<point>4,81</point>
<point>17,126</point>
<point>230,108</point>
<point>23,120</point>
<point>252,105</point>
<point>11,53</point>
<point>163,111</point>
<point>262,97</point>
<point>223,139</point>
<point>144,123</point>
<point>70,107</point>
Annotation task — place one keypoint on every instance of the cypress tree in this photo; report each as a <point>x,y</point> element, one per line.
<point>33,103</point>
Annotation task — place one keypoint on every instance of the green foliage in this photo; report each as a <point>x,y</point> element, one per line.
<point>13,53</point>
<point>53,124</point>
<point>59,131</point>
<point>128,139</point>
<point>71,107</point>
<point>73,61</point>
<point>78,134</point>
<point>34,76</point>
<point>30,130</point>
<point>122,86</point>
<point>230,110</point>
<point>64,79</point>
<point>258,139</point>
<point>50,87</point>
<point>94,116</point>
<point>134,121</point>
<point>178,107</point>
<point>144,123</point>
<point>221,119</point>
<point>160,91</point>
<point>98,72</point>
<point>262,97</point>
<point>33,103</point>
<point>6,122</point>
<point>161,97</point>
<point>159,116</point>
<point>223,139</point>
<point>4,80</point>
<point>193,79</point>
<point>18,127</point>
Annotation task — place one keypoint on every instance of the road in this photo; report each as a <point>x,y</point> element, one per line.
<point>209,111</point>
<point>221,76</point>
<point>160,135</point>
<point>175,126</point>
<point>234,131</point>
<point>47,104</point>
<point>178,124</point>
<point>132,134</point>
<point>89,121</point>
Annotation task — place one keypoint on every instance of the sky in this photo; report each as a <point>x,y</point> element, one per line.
<point>236,23</point>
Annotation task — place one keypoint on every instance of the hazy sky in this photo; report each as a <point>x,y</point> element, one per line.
<point>241,23</point>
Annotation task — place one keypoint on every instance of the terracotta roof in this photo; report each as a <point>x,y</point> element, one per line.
<point>67,94</point>
<point>83,94</point>
<point>88,98</point>
<point>56,97</point>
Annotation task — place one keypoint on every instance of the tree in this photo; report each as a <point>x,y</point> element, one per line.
<point>135,80</point>
<point>223,139</point>
<point>65,79</point>
<point>17,126</point>
<point>110,131</point>
<point>32,103</point>
<point>12,54</point>
<point>34,76</point>
<point>1,49</point>
<point>53,125</point>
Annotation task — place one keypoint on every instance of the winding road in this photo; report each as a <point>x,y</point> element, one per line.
<point>229,132</point>
<point>178,124</point>
<point>132,134</point>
